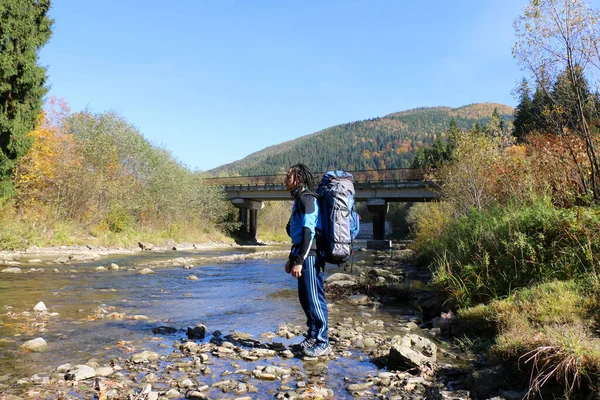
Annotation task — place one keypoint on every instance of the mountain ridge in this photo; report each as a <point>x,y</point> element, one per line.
<point>375,143</point>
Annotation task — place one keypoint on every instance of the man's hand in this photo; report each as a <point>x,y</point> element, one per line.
<point>297,271</point>
<point>288,266</point>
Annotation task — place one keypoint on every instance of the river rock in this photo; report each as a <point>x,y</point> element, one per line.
<point>263,353</point>
<point>80,372</point>
<point>144,356</point>
<point>445,321</point>
<point>61,260</point>
<point>338,276</point>
<point>369,342</point>
<point>163,330</point>
<point>358,299</point>
<point>195,395</point>
<point>483,382</point>
<point>173,394</point>
<point>84,257</point>
<point>341,284</point>
<point>192,278</point>
<point>183,246</point>
<point>186,383</point>
<point>104,371</point>
<point>64,368</point>
<point>355,387</point>
<point>197,332</point>
<point>150,378</point>
<point>40,307</point>
<point>277,371</point>
<point>113,267</point>
<point>146,271</point>
<point>240,336</point>
<point>35,345</point>
<point>146,246</point>
<point>12,270</point>
<point>412,351</point>
<point>263,376</point>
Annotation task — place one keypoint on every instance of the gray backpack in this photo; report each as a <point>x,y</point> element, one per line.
<point>339,220</point>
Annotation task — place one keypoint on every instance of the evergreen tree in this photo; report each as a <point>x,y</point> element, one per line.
<point>432,157</point>
<point>24,29</point>
<point>525,113</point>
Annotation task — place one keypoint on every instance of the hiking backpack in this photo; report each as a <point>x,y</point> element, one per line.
<point>339,220</point>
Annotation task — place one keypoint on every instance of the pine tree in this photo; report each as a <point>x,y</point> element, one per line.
<point>525,118</point>
<point>24,29</point>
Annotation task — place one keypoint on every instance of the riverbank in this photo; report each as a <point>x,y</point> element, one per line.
<point>66,254</point>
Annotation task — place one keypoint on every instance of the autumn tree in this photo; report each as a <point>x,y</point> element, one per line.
<point>24,29</point>
<point>558,44</point>
<point>41,173</point>
<point>467,175</point>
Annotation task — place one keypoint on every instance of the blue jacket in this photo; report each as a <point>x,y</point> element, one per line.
<point>303,226</point>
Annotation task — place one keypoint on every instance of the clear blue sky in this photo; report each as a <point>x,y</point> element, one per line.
<point>214,81</point>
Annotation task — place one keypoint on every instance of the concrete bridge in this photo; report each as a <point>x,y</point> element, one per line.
<point>377,188</point>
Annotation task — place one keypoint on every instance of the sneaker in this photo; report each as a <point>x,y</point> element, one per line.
<point>307,342</point>
<point>318,350</point>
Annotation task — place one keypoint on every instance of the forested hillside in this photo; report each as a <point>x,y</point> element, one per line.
<point>378,143</point>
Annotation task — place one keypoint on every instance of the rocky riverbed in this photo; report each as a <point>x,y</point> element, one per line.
<point>405,356</point>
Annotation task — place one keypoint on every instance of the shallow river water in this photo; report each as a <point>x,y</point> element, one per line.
<point>251,295</point>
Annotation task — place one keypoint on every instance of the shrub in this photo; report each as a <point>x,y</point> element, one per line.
<point>487,254</point>
<point>427,221</point>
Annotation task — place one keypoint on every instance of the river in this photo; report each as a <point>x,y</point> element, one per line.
<point>247,295</point>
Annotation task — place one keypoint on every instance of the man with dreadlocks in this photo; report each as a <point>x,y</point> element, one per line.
<point>304,263</point>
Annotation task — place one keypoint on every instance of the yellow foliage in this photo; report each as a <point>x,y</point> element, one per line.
<point>41,169</point>
<point>427,221</point>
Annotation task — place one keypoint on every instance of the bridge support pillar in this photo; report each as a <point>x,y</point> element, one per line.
<point>378,207</point>
<point>248,206</point>
<point>253,224</point>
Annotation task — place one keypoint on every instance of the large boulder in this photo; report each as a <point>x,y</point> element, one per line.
<point>413,350</point>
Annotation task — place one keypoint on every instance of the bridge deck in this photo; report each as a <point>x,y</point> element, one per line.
<point>402,185</point>
<point>403,191</point>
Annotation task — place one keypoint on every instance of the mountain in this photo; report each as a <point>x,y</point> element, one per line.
<point>377,143</point>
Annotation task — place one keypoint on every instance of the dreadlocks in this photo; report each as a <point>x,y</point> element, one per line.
<point>303,175</point>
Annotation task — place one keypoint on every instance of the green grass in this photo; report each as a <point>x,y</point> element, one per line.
<point>487,254</point>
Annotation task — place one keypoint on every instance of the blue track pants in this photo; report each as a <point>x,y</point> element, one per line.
<point>312,298</point>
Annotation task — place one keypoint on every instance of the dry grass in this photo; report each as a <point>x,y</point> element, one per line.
<point>548,330</point>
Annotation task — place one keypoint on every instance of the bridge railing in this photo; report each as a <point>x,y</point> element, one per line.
<point>398,174</point>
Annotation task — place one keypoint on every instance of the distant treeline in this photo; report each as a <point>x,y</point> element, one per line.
<point>379,143</point>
